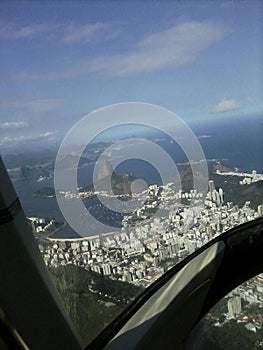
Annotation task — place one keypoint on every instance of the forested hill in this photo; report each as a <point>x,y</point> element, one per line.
<point>92,300</point>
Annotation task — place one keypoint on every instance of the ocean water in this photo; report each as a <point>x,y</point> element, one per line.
<point>239,141</point>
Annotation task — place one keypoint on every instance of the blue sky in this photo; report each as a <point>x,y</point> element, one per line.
<point>61,60</point>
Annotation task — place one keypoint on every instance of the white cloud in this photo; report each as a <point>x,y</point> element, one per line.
<point>179,45</point>
<point>10,31</point>
<point>37,105</point>
<point>225,106</point>
<point>66,33</point>
<point>204,137</point>
<point>12,125</point>
<point>176,46</point>
<point>49,135</point>
<point>84,33</point>
<point>46,135</point>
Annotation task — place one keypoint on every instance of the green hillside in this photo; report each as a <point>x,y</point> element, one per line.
<point>88,298</point>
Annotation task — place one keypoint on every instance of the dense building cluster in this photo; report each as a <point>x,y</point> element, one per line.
<point>148,245</point>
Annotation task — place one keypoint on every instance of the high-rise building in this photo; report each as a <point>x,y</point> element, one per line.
<point>211,185</point>
<point>106,269</point>
<point>234,306</point>
<point>260,210</point>
<point>221,194</point>
<point>218,201</point>
<point>214,196</point>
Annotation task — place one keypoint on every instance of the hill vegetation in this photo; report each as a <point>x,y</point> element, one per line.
<point>91,300</point>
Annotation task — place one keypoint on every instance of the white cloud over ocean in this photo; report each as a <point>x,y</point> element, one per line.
<point>226,105</point>
<point>12,125</point>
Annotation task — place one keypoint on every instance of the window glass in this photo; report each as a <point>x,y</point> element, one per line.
<point>185,158</point>
<point>235,322</point>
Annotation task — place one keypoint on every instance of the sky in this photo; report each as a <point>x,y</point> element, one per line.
<point>61,60</point>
